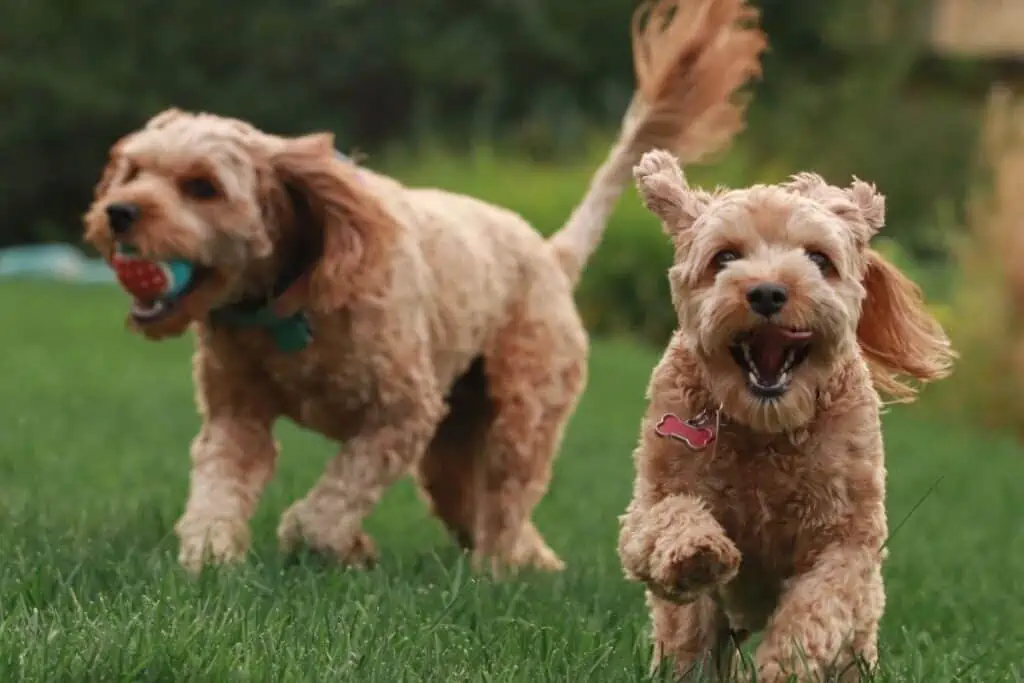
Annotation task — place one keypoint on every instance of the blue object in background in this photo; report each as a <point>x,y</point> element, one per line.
<point>61,262</point>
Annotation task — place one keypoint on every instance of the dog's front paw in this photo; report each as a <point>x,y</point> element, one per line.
<point>682,568</point>
<point>210,541</point>
<point>301,526</point>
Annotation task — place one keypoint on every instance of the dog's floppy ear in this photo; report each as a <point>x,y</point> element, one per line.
<point>897,334</point>
<point>666,194</point>
<point>353,228</point>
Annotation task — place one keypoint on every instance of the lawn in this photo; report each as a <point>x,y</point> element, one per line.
<point>93,472</point>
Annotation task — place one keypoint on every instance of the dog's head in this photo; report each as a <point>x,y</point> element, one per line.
<point>776,286</point>
<point>242,206</point>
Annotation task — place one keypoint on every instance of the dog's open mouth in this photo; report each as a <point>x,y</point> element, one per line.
<point>769,355</point>
<point>149,311</point>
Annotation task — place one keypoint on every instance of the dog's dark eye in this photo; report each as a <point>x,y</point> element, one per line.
<point>130,173</point>
<point>199,188</point>
<point>724,258</point>
<point>823,262</point>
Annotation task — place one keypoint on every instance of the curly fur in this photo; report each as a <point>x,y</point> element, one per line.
<point>446,343</point>
<point>780,524</point>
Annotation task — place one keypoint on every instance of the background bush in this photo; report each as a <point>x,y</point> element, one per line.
<point>535,77</point>
<point>985,313</point>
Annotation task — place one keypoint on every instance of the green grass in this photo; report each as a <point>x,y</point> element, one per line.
<point>93,472</point>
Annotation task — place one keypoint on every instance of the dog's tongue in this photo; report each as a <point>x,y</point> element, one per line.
<point>768,349</point>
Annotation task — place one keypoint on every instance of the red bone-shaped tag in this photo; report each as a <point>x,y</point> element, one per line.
<point>695,432</point>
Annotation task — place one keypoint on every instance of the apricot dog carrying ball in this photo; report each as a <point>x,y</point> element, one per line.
<point>390,277</point>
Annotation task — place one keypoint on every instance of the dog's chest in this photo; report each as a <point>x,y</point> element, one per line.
<point>771,503</point>
<point>324,387</point>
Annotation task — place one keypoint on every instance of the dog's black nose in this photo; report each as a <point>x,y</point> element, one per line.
<point>767,298</point>
<point>121,216</point>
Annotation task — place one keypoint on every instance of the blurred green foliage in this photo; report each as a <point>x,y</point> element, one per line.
<point>533,76</point>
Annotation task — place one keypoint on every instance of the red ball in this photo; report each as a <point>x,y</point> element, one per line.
<point>144,279</point>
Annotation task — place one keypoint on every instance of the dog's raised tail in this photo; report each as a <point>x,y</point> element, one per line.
<point>690,58</point>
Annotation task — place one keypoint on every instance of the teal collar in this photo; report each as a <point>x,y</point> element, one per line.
<point>291,333</point>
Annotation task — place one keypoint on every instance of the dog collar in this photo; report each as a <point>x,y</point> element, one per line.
<point>290,334</point>
<point>279,313</point>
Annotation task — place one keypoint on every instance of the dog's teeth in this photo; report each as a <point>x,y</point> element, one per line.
<point>752,378</point>
<point>783,378</point>
<point>750,362</point>
<point>147,311</point>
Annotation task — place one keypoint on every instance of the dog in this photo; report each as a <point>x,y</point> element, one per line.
<point>430,333</point>
<point>759,498</point>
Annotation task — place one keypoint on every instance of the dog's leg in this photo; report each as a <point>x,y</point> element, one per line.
<point>447,475</point>
<point>232,460</point>
<point>826,623</point>
<point>693,638</point>
<point>676,547</point>
<point>392,439</point>
<point>513,478</point>
<point>536,370</point>
<point>447,478</point>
